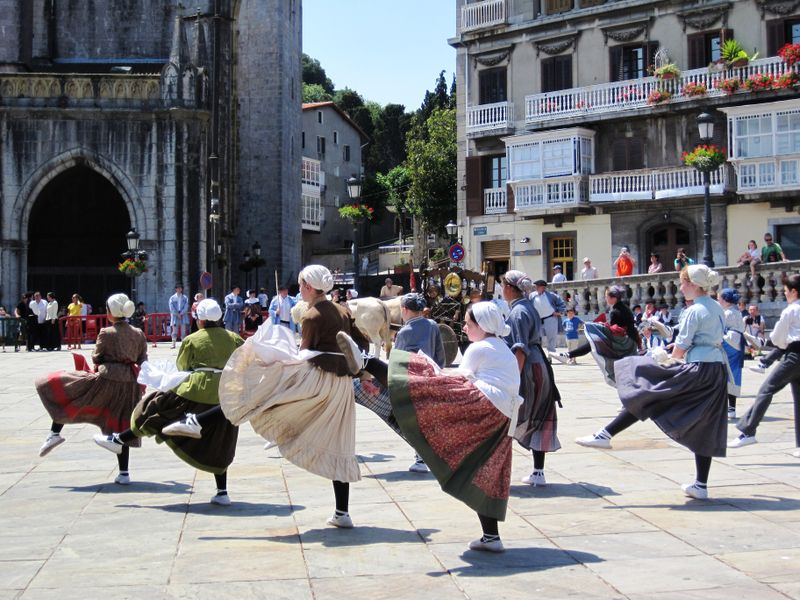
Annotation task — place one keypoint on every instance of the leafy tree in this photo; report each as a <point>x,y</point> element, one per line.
<point>395,184</point>
<point>314,92</point>
<point>431,167</point>
<point>313,73</point>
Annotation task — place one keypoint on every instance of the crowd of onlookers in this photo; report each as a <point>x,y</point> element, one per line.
<point>625,263</point>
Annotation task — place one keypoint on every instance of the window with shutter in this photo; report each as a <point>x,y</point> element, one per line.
<point>627,154</point>
<point>705,47</point>
<point>474,200</point>
<point>615,63</point>
<point>557,73</point>
<point>776,36</point>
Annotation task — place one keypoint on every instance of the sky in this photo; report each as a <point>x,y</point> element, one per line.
<point>389,51</point>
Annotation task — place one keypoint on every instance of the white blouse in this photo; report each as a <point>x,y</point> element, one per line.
<point>492,368</point>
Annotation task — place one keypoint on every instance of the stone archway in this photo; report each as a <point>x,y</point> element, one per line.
<point>76,233</point>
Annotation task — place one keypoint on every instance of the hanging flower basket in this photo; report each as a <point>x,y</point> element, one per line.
<point>790,54</point>
<point>669,71</point>
<point>356,213</point>
<point>759,82</point>
<point>132,268</point>
<point>659,97</point>
<point>705,158</point>
<point>729,86</point>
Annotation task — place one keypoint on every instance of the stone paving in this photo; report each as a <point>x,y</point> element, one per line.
<point>611,524</point>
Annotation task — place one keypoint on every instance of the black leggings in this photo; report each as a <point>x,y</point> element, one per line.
<point>488,524</point>
<point>341,491</point>
<point>581,350</point>
<point>122,458</point>
<point>625,419</point>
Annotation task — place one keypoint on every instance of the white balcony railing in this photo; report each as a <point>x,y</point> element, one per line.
<point>478,15</point>
<point>494,201</point>
<point>490,117</point>
<point>768,173</point>
<point>311,212</point>
<point>553,192</point>
<point>653,184</point>
<point>619,96</point>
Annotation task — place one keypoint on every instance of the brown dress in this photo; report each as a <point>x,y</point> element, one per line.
<point>105,398</point>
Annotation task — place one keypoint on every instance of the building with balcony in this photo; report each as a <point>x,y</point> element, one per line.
<point>564,153</point>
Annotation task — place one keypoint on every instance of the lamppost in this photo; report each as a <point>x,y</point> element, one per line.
<point>133,238</point>
<point>354,191</point>
<point>705,126</point>
<point>246,267</point>
<point>452,230</point>
<point>256,261</point>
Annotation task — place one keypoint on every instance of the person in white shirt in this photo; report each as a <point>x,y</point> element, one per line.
<point>558,275</point>
<point>52,339</point>
<point>588,271</point>
<point>280,309</point>
<point>389,290</point>
<point>785,335</point>
<point>39,308</point>
<point>550,307</point>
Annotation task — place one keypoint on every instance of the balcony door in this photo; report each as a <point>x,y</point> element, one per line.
<point>493,86</point>
<point>665,241</point>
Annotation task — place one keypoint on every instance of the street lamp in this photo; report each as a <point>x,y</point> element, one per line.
<point>452,230</point>
<point>257,261</point>
<point>246,267</point>
<point>705,126</point>
<point>354,191</point>
<point>132,239</point>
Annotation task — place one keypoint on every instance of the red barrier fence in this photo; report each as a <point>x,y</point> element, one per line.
<point>81,330</point>
<point>156,328</point>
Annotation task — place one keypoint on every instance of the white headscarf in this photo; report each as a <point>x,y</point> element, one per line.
<point>702,276</point>
<point>208,310</point>
<point>120,306</point>
<point>489,318</point>
<point>318,277</point>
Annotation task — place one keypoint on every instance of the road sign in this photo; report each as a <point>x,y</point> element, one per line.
<point>206,281</point>
<point>456,252</point>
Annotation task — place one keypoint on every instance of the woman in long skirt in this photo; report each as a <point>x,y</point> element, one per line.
<point>611,340</point>
<point>203,353</point>
<point>105,397</point>
<point>733,344</point>
<point>685,396</point>
<point>305,405</point>
<point>537,429</point>
<point>460,421</point>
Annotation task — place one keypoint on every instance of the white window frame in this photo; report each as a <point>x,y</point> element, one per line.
<point>559,153</point>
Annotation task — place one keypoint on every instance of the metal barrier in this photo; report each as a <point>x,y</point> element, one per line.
<point>11,332</point>
<point>156,328</point>
<point>71,329</point>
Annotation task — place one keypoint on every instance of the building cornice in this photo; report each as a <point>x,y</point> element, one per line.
<point>705,17</point>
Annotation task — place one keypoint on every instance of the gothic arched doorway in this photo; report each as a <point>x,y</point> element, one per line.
<point>665,241</point>
<point>76,234</point>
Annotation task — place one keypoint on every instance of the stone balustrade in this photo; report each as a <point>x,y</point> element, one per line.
<point>588,297</point>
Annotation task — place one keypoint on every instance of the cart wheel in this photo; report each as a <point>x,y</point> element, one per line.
<point>450,343</point>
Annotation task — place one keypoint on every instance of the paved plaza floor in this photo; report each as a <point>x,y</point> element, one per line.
<point>610,524</point>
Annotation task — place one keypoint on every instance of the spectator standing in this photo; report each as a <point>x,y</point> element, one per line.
<point>389,290</point>
<point>572,325</point>
<point>771,252</point>
<point>139,316</point>
<point>178,314</point>
<point>233,310</point>
<point>28,320</point>
<point>588,271</point>
<point>263,299</point>
<point>198,298</point>
<point>550,307</point>
<point>52,338</point>
<point>655,264</point>
<point>558,275</point>
<point>681,260</point>
<point>280,309</point>
<point>39,309</point>
<point>74,308</point>
<point>625,263</point>
<point>751,257</point>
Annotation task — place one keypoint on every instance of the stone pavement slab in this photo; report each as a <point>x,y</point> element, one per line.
<point>610,524</point>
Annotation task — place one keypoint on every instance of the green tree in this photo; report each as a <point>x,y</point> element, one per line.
<point>431,165</point>
<point>313,73</point>
<point>395,184</point>
<point>314,92</point>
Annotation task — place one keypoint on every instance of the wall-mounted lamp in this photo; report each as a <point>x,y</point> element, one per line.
<point>524,240</point>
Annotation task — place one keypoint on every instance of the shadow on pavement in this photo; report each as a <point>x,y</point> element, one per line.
<point>517,560</point>
<point>236,509</point>
<point>135,487</point>
<point>377,458</point>
<point>404,475</point>
<point>579,489</point>
<point>721,504</point>
<point>333,537</point>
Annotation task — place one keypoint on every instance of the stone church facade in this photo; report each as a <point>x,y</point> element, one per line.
<point>184,124</point>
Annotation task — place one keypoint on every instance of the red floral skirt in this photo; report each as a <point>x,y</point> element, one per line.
<point>459,433</point>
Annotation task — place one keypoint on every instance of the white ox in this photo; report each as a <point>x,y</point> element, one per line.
<point>372,316</point>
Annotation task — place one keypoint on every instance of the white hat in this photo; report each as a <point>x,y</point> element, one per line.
<point>208,310</point>
<point>702,276</point>
<point>120,306</point>
<point>318,277</point>
<point>490,319</point>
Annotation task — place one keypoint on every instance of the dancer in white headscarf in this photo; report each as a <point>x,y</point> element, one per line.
<point>301,401</point>
<point>685,393</point>
<point>104,397</point>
